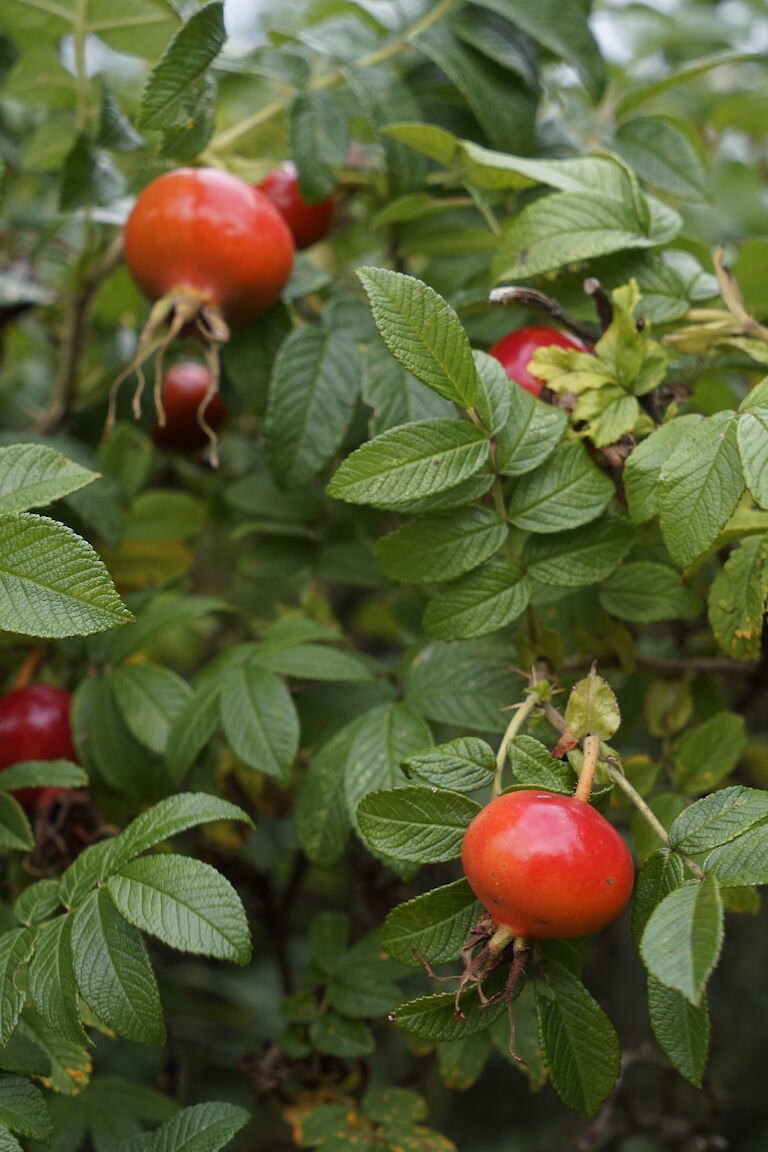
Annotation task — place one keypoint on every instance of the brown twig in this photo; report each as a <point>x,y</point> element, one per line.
<point>672,666</point>
<point>512,294</point>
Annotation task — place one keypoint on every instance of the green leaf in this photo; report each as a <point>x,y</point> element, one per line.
<point>259,720</point>
<point>530,436</point>
<point>561,28</point>
<point>644,464</point>
<point>742,861</point>
<point>663,154</point>
<point>700,484</point>
<point>461,1062</point>
<point>328,939</point>
<point>168,818</point>
<point>682,939</point>
<point>114,972</point>
<point>752,434</point>
<point>42,774</point>
<point>193,727</point>
<point>38,902</point>
<point>533,766</point>
<point>644,592</point>
<point>462,685</point>
<point>504,108</point>
<point>15,832</point>
<point>386,736</point>
<point>116,131</point>
<point>718,818</point>
<point>23,1109</point>
<point>312,397</point>
<point>409,462</point>
<point>434,1019</point>
<point>69,1064</point>
<point>581,556</point>
<point>176,81</point>
<point>54,584</point>
<point>163,614</point>
<point>423,333</point>
<point>706,754</point>
<point>384,98</point>
<point>51,980</point>
<point>360,991</point>
<point>436,924</point>
<point>661,874</point>
<point>737,599</point>
<point>103,741</point>
<point>199,1128</point>
<point>681,1029</point>
<point>84,873</point>
<point>335,1035</point>
<point>394,1106</point>
<point>318,137</point>
<point>150,698</point>
<point>311,662</point>
<point>88,176</point>
<point>567,491</point>
<point>163,514</point>
<point>420,825</point>
<point>499,40</point>
<point>15,950</point>
<point>187,904</point>
<point>32,475</point>
<point>320,815</point>
<point>461,765</point>
<point>646,91</point>
<point>580,1046</point>
<point>482,602</point>
<point>394,395</point>
<point>440,547</point>
<point>592,708</point>
<point>494,397</point>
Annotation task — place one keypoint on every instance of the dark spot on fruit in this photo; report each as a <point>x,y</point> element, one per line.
<point>609,880</point>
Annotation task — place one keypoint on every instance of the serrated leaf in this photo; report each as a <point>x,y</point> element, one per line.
<point>661,151</point>
<point>461,765</point>
<point>436,924</point>
<point>682,939</point>
<point>533,766</point>
<point>461,685</point>
<point>433,1018</point>
<point>15,950</point>
<point>312,396</point>
<point>644,592</point>
<point>193,727</point>
<point>114,972</point>
<point>318,137</point>
<point>592,708</point>
<point>752,433</point>
<point>259,720</point>
<point>499,40</point>
<point>661,874</point>
<point>385,737</point>
<point>699,486</point>
<point>742,861</point>
<point>15,832</point>
<point>38,902</point>
<point>185,903</point>
<point>581,556</point>
<point>421,825</point>
<point>482,602</point>
<point>580,1046</point>
<point>384,98</point>
<point>177,78</point>
<point>737,599</point>
<point>51,980</point>
<point>53,582</point>
<point>150,698</point>
<point>410,462</point>
<point>706,754</point>
<point>320,816</point>
<point>531,434</point>
<point>423,333</point>
<point>84,873</point>
<point>565,492</point>
<point>394,395</point>
<point>32,475</point>
<point>200,1128</point>
<point>440,547</point>
<point>645,462</point>
<point>681,1029</point>
<point>718,818</point>
<point>311,662</point>
<point>23,1109</point>
<point>42,774</point>
<point>115,129</point>
<point>88,176</point>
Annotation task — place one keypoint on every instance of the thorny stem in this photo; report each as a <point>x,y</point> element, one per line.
<point>330,79</point>
<point>521,715</point>
<point>588,765</point>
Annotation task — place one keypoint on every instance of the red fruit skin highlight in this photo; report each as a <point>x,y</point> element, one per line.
<point>547,866</point>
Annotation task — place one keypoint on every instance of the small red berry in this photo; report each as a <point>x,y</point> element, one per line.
<point>184,386</point>
<point>547,866</point>
<point>34,725</point>
<point>308,222</point>
<point>516,350</point>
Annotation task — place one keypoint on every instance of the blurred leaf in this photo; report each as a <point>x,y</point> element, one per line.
<point>88,177</point>
<point>706,754</point>
<point>259,720</point>
<point>164,102</point>
<point>318,136</point>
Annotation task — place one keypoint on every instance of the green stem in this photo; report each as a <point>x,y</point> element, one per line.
<point>515,724</point>
<point>330,79</point>
<point>588,765</point>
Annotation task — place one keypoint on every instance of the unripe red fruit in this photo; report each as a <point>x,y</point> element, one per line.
<point>211,235</point>
<point>547,866</point>
<point>34,725</point>
<point>516,350</point>
<point>184,386</point>
<point>307,222</point>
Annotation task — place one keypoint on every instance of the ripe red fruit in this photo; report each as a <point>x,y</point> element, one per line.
<point>547,866</point>
<point>34,725</point>
<point>516,350</point>
<point>308,222</point>
<point>201,233</point>
<point>185,386</point>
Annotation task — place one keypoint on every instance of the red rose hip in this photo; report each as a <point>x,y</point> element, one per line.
<point>547,866</point>
<point>515,352</point>
<point>34,725</point>
<point>307,222</point>
<point>185,386</point>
